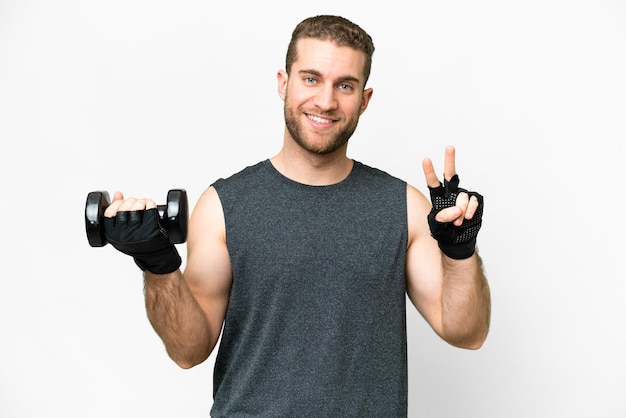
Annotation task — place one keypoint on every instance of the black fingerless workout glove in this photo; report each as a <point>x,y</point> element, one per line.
<point>140,235</point>
<point>457,242</point>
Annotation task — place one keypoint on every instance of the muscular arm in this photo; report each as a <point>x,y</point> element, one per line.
<point>177,318</point>
<point>452,295</point>
<point>466,302</point>
<point>191,321</point>
<point>187,310</point>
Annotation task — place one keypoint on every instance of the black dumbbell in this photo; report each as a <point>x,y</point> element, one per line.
<point>173,216</point>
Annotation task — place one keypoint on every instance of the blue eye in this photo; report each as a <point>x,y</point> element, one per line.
<point>345,87</point>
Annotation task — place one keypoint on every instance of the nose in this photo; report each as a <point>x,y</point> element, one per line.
<point>325,98</point>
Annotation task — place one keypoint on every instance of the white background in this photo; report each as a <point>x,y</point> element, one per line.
<point>144,96</point>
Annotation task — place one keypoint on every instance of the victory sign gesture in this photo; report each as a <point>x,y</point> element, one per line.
<point>456,216</point>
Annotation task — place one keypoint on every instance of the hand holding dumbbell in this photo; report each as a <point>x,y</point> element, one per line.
<point>147,235</point>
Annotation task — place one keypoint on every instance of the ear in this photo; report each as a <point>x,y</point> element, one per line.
<point>367,95</point>
<point>282,78</point>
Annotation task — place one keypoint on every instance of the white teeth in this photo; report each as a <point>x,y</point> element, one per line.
<point>318,119</point>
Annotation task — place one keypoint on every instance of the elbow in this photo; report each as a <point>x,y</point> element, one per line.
<point>186,365</point>
<point>191,355</point>
<point>467,344</point>
<point>188,361</point>
<point>473,345</point>
<point>472,341</point>
<point>469,335</point>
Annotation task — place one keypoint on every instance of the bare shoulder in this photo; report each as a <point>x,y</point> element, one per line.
<point>208,273</point>
<point>416,197</point>
<point>207,254</point>
<point>418,206</point>
<point>207,209</point>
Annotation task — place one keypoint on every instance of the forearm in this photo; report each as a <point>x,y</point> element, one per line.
<point>177,318</point>
<point>466,302</point>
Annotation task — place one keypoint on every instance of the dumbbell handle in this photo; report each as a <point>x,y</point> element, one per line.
<point>173,216</point>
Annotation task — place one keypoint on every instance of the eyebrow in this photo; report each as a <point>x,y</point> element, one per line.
<point>341,79</point>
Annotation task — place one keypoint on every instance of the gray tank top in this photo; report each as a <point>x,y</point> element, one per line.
<point>316,320</point>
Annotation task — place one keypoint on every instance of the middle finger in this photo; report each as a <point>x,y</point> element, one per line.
<point>127,205</point>
<point>449,167</point>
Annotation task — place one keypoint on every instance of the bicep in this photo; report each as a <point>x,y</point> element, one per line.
<point>424,269</point>
<point>208,271</point>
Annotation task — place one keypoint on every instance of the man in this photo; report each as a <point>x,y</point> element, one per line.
<point>302,262</point>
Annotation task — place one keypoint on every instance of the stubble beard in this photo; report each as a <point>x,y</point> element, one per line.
<point>334,140</point>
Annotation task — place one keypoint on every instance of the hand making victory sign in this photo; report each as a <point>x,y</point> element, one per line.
<point>456,216</point>
<point>445,281</point>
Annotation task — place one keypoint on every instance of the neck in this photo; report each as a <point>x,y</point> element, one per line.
<point>313,169</point>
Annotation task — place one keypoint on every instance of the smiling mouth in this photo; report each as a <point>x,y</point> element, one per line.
<point>319,119</point>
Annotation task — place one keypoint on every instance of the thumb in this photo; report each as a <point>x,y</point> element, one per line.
<point>451,214</point>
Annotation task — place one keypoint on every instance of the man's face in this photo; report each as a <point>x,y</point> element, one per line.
<point>324,95</point>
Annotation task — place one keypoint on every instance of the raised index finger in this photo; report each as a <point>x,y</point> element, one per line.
<point>429,173</point>
<point>449,168</point>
